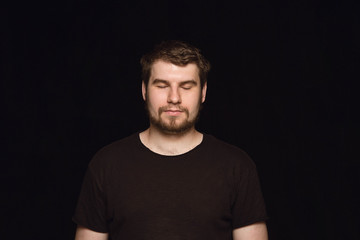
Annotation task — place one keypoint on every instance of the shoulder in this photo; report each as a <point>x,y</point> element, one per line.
<point>115,152</point>
<point>227,152</point>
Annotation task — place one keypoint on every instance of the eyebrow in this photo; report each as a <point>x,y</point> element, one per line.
<point>182,83</point>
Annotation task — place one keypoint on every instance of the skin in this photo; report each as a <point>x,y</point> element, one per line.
<point>174,96</point>
<point>177,90</point>
<point>83,233</point>
<point>256,231</point>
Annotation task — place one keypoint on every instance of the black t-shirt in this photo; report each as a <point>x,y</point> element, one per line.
<point>135,194</point>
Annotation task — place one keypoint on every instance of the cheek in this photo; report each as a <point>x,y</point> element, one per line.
<point>194,104</point>
<point>156,100</point>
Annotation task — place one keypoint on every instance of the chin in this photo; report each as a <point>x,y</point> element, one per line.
<point>174,129</point>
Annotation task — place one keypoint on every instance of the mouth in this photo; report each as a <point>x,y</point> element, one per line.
<point>173,112</point>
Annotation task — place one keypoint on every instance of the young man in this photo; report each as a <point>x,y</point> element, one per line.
<point>171,181</point>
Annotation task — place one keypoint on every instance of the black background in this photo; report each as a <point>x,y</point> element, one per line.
<point>282,87</point>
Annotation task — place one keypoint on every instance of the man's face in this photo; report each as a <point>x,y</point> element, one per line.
<point>173,97</point>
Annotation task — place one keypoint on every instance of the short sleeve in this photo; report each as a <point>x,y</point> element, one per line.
<point>90,211</point>
<point>248,205</point>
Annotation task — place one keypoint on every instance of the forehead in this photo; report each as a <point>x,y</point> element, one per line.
<point>168,71</point>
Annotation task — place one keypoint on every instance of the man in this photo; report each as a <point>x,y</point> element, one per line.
<point>171,181</point>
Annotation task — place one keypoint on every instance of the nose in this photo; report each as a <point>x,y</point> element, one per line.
<point>174,96</point>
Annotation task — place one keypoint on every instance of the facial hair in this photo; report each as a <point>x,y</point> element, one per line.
<point>171,126</point>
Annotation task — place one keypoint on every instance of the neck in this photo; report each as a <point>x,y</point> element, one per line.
<point>170,144</point>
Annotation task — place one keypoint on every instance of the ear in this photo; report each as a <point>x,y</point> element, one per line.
<point>203,92</point>
<point>143,90</point>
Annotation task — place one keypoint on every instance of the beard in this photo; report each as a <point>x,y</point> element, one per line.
<point>172,125</point>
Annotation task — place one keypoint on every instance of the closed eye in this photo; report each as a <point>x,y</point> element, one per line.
<point>187,85</point>
<point>160,83</point>
<point>161,86</point>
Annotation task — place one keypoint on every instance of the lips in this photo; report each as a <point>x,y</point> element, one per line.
<point>170,110</point>
<point>173,111</point>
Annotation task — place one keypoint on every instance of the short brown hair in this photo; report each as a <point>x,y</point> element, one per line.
<point>176,52</point>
